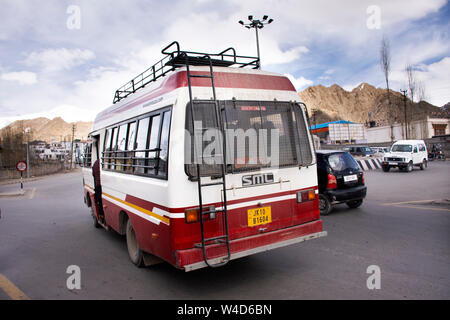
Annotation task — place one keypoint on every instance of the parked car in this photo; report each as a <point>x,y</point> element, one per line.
<point>380,150</point>
<point>405,154</point>
<point>363,151</point>
<point>340,180</point>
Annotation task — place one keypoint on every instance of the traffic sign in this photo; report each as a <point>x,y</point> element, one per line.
<point>21,166</point>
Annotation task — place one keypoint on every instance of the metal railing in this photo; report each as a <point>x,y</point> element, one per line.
<point>177,58</point>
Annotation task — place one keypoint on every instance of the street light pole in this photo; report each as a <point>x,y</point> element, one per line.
<point>257,48</point>
<point>27,130</point>
<point>257,24</point>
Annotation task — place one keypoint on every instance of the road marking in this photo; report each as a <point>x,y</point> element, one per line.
<point>11,290</point>
<point>421,207</point>
<point>32,193</point>
<point>409,202</point>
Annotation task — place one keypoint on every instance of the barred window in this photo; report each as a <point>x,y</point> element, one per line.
<point>139,146</point>
<point>258,134</point>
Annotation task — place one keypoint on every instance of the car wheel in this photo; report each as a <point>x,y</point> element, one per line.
<point>386,168</point>
<point>134,252</point>
<point>354,204</point>
<point>409,168</point>
<point>324,205</point>
<point>423,165</point>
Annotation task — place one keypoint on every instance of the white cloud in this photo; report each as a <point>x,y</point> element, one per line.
<point>316,31</point>
<point>299,83</point>
<point>22,77</point>
<point>436,78</point>
<point>52,60</point>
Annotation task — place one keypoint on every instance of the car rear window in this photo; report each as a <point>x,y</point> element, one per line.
<point>342,161</point>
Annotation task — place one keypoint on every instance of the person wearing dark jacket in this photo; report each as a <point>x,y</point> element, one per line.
<point>98,190</point>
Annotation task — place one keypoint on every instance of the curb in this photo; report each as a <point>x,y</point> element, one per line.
<point>12,194</point>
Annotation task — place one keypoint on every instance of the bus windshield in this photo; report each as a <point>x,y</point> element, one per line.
<point>257,135</point>
<point>402,148</point>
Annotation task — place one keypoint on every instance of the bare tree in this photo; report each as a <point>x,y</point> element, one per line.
<point>412,82</point>
<point>421,91</point>
<point>385,55</point>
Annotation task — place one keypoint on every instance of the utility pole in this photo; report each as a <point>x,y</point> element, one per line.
<point>74,127</point>
<point>406,122</point>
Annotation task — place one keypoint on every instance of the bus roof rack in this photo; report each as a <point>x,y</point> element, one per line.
<point>177,58</point>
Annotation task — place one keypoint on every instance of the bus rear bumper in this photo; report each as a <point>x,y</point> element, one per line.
<point>192,259</point>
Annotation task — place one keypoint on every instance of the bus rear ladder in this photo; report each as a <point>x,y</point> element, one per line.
<point>224,238</point>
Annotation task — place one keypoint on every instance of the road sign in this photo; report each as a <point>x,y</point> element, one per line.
<point>21,166</point>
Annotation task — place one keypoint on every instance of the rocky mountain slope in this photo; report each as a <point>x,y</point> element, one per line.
<point>363,103</point>
<point>47,130</point>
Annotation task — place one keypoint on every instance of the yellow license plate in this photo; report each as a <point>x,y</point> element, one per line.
<point>259,216</point>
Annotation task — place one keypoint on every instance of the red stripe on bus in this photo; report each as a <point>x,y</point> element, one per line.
<point>221,80</point>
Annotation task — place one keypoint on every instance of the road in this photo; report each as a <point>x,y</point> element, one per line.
<point>49,229</point>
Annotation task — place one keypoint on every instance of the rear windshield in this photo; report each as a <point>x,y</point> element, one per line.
<point>257,135</point>
<point>402,148</point>
<point>366,149</point>
<point>342,161</point>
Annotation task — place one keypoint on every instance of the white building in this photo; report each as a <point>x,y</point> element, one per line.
<point>418,129</point>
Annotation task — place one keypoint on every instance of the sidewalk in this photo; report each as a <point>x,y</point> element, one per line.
<point>25,180</point>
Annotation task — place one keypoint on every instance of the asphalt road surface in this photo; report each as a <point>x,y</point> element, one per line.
<point>49,228</point>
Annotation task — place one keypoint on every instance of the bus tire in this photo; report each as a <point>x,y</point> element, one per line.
<point>135,253</point>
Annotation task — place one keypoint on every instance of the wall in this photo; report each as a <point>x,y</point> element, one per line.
<point>35,170</point>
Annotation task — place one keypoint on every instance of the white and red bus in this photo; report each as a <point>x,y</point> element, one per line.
<point>195,208</point>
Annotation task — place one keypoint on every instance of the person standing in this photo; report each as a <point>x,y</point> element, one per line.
<point>98,191</point>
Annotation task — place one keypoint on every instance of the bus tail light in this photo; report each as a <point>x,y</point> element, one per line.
<point>308,195</point>
<point>193,215</point>
<point>332,182</point>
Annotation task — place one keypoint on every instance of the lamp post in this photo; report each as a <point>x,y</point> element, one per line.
<point>257,24</point>
<point>27,131</point>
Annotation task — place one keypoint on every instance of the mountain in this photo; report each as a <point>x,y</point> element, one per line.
<point>47,130</point>
<point>363,104</point>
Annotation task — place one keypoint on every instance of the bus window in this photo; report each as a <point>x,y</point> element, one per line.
<point>153,145</point>
<point>121,143</point>
<point>249,133</point>
<point>163,155</point>
<point>107,150</point>
<point>141,144</point>
<point>113,149</point>
<point>130,147</point>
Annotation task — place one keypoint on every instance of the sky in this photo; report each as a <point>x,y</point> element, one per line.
<point>66,58</point>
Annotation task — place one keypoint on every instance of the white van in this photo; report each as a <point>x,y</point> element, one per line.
<point>405,154</point>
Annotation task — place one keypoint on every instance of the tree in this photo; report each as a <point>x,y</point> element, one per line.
<point>412,82</point>
<point>385,54</point>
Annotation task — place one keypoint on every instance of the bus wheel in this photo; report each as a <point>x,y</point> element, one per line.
<point>94,217</point>
<point>134,252</point>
